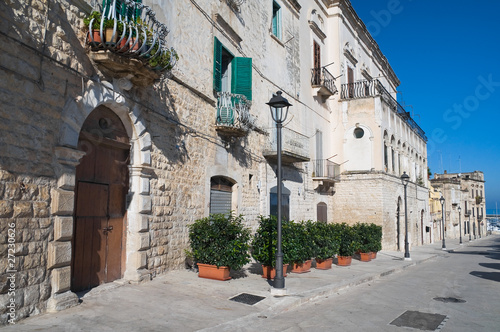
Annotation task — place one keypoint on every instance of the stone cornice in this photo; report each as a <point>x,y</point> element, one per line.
<point>358,25</point>
<point>317,30</point>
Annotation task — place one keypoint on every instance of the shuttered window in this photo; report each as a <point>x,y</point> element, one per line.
<point>239,67</point>
<point>220,195</point>
<point>276,20</point>
<point>220,201</point>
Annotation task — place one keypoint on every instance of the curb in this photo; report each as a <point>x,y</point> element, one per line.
<point>293,301</point>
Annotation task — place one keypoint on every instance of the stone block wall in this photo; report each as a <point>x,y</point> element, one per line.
<point>373,197</point>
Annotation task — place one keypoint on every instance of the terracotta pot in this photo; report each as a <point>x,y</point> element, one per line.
<point>344,260</point>
<point>122,46</point>
<point>324,264</point>
<point>303,267</point>
<point>373,254</point>
<point>132,41</point>
<point>96,36</point>
<point>109,36</point>
<point>269,272</point>
<point>213,272</point>
<point>365,256</point>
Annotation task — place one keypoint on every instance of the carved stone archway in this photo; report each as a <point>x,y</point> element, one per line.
<point>68,156</point>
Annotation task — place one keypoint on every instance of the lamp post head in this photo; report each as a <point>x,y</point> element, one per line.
<point>459,209</point>
<point>441,200</point>
<point>405,179</point>
<point>278,106</point>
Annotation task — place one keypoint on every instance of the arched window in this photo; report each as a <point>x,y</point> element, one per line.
<point>322,210</point>
<point>221,190</point>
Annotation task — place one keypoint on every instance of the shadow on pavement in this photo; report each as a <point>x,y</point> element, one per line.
<point>495,276</point>
<point>495,266</point>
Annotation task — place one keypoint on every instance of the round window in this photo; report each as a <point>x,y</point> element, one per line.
<point>359,133</point>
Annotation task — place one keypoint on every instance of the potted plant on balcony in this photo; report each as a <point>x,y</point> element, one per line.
<point>94,36</point>
<point>347,244</point>
<point>326,242</point>
<point>219,243</point>
<point>163,61</point>
<point>264,245</point>
<point>479,199</point>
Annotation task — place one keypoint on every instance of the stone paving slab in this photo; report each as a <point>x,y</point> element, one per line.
<point>180,301</point>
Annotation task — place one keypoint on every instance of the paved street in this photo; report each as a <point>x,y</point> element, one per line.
<point>471,274</point>
<point>362,297</point>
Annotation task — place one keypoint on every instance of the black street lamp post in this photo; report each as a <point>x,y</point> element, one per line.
<point>460,222</point>
<point>442,217</point>
<point>405,179</point>
<point>279,112</point>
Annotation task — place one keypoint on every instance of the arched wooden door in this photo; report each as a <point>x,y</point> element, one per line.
<point>100,201</point>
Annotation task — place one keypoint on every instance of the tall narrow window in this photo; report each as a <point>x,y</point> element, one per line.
<point>231,74</point>
<point>386,158</point>
<point>276,20</point>
<point>317,63</point>
<point>285,202</point>
<point>322,212</point>
<point>350,82</point>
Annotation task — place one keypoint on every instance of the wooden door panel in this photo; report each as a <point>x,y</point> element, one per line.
<point>85,170</point>
<point>103,164</point>
<point>114,248</point>
<point>98,271</point>
<point>117,200</point>
<point>92,200</point>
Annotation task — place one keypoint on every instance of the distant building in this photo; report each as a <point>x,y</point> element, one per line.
<point>466,190</point>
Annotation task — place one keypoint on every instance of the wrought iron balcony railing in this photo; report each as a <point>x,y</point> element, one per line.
<point>323,79</point>
<point>233,114</point>
<point>325,169</point>
<point>366,89</point>
<point>130,29</point>
<point>294,146</point>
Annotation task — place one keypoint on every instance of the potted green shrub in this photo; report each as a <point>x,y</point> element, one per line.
<point>326,242</point>
<point>264,245</point>
<point>363,241</point>
<point>301,247</point>
<point>376,240</point>
<point>347,243</point>
<point>94,37</point>
<point>219,243</point>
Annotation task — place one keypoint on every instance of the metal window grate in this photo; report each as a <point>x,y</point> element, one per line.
<point>419,320</point>
<point>247,298</point>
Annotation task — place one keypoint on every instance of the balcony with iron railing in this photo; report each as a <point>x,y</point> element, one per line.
<point>126,38</point>
<point>233,114</point>
<point>374,88</point>
<point>324,81</point>
<point>325,170</point>
<point>294,147</point>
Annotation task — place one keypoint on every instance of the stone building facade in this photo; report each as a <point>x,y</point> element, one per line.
<point>100,151</point>
<point>467,191</point>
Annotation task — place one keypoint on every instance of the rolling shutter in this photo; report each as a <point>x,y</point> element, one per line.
<point>220,201</point>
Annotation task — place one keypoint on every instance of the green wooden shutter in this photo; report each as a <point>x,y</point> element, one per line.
<point>217,65</point>
<point>241,80</point>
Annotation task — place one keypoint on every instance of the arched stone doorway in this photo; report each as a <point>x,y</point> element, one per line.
<point>101,186</point>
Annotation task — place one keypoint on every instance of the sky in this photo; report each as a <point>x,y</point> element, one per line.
<point>446,54</point>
